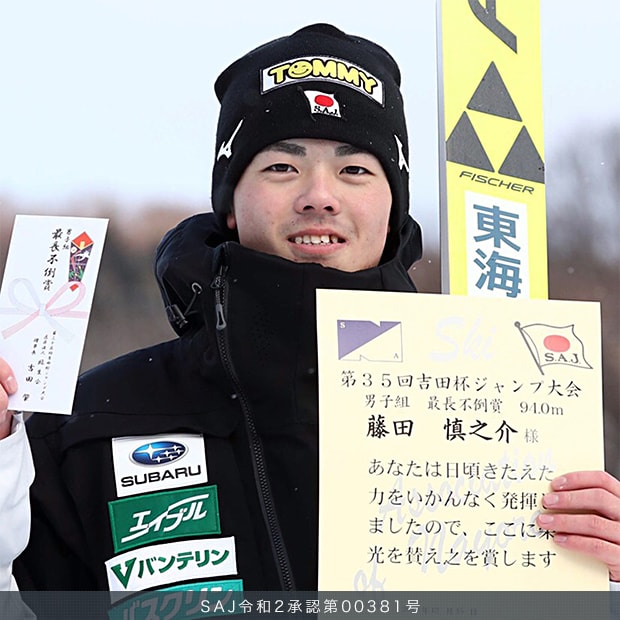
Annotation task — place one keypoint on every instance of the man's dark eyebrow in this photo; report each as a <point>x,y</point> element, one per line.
<point>291,148</point>
<point>286,147</point>
<point>349,149</point>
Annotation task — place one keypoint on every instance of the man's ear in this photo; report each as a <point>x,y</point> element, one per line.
<point>231,222</point>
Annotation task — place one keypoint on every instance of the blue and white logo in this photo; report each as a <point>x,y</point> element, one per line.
<point>158,453</point>
<point>148,463</point>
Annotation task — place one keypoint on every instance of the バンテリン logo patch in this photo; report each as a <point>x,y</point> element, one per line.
<point>325,69</point>
<point>170,563</point>
<point>146,519</point>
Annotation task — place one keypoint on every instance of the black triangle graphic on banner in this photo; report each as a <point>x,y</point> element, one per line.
<point>523,160</point>
<point>464,147</point>
<point>492,96</point>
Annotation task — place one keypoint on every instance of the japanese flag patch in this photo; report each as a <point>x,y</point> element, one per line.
<point>323,103</point>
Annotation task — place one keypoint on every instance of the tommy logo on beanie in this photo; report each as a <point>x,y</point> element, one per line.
<point>325,69</point>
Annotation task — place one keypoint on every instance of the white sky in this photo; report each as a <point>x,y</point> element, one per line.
<point>115,97</point>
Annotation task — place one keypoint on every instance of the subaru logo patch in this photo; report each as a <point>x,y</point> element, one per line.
<point>158,453</point>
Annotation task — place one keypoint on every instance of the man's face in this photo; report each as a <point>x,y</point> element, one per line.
<point>314,201</point>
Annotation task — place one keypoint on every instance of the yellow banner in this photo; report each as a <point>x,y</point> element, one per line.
<point>493,219</point>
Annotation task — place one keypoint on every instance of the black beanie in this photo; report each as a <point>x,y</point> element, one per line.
<point>316,83</point>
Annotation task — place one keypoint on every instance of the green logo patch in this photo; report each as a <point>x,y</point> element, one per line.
<point>191,602</point>
<point>145,519</point>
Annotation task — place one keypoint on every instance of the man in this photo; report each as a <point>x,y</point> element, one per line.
<point>310,190</point>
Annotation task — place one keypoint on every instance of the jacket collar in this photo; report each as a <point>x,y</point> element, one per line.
<point>188,257</point>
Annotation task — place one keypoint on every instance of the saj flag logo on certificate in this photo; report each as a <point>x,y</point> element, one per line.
<point>551,344</point>
<point>370,341</point>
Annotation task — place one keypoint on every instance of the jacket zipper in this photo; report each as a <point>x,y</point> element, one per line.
<point>219,285</point>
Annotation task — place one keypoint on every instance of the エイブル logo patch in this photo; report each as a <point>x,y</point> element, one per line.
<point>145,519</point>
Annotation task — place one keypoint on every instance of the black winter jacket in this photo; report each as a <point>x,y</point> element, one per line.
<point>242,375</point>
